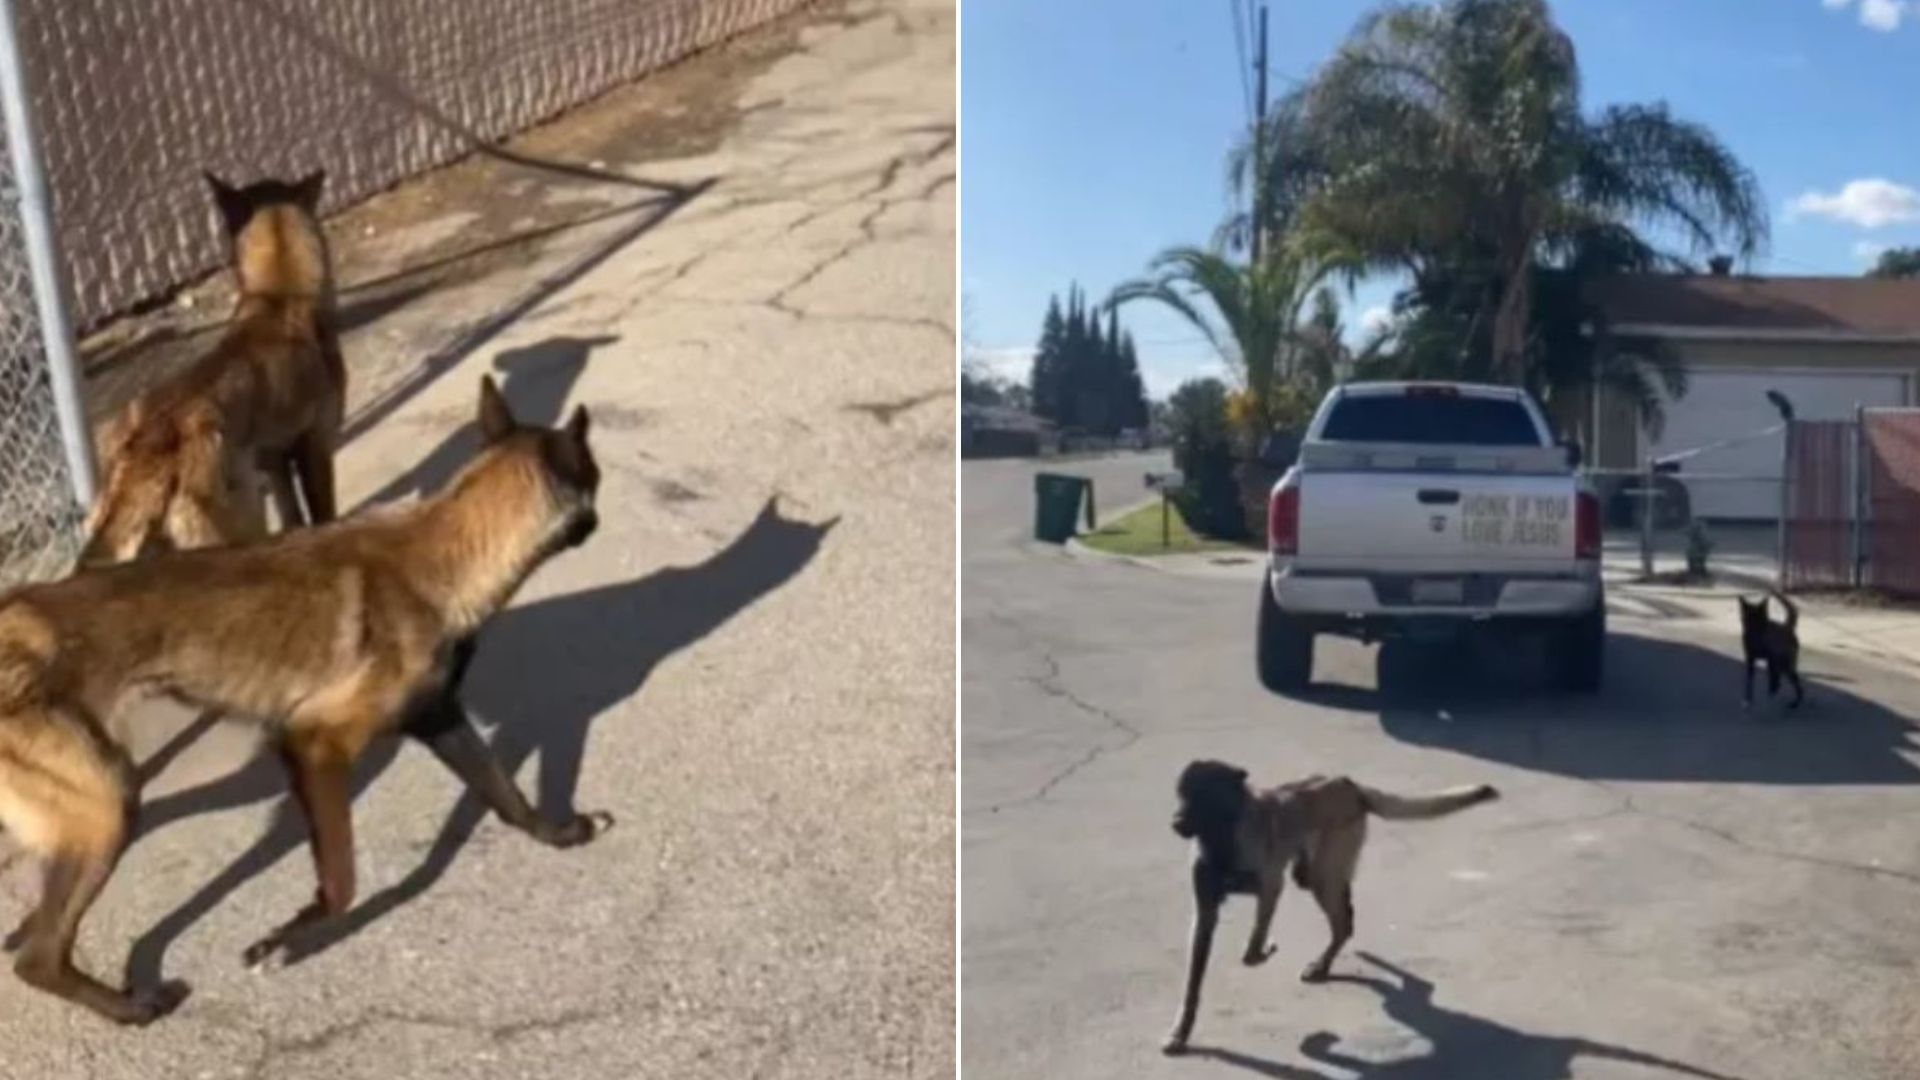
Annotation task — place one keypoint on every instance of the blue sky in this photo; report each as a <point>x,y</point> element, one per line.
<point>1094,134</point>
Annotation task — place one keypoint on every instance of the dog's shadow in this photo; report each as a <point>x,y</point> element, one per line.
<point>1464,1046</point>
<point>535,378</point>
<point>1669,710</point>
<point>593,649</point>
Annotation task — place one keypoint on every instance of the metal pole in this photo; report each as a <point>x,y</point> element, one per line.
<point>1786,505</point>
<point>43,261</point>
<point>1260,139</point>
<point>1856,570</point>
<point>1646,520</point>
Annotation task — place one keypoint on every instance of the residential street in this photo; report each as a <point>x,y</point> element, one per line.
<point>750,665</point>
<point>1668,887</point>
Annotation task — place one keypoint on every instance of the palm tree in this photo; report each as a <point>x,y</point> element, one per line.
<point>1249,314</point>
<point>1448,141</point>
<point>1569,348</point>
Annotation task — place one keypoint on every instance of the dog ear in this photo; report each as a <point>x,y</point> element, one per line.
<point>496,419</point>
<point>307,190</point>
<point>1239,774</point>
<point>577,424</point>
<point>234,206</point>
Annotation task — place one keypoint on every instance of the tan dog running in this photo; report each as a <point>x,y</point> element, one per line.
<point>331,637</point>
<point>183,463</point>
<point>1246,840</point>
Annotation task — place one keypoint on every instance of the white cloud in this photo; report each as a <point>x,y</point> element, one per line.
<point>1374,319</point>
<point>1882,15</point>
<point>1869,203</point>
<point>1868,250</point>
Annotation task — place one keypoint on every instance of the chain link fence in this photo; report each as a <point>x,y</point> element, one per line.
<point>1700,512</point>
<point>38,515</point>
<point>132,101</point>
<point>1843,512</point>
<point>1688,534</point>
<point>1853,516</point>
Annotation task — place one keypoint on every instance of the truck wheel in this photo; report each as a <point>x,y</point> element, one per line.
<point>1284,648</point>
<point>1580,651</point>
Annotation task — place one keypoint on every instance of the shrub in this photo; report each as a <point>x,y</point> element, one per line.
<point>1197,419</point>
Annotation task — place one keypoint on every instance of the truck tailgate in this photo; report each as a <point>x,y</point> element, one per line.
<point>1450,522</point>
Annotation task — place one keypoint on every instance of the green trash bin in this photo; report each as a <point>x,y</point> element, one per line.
<point>1057,506</point>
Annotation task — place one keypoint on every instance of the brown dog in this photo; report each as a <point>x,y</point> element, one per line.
<point>331,636</point>
<point>183,463</point>
<point>1246,840</point>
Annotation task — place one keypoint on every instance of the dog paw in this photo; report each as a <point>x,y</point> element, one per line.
<point>1256,957</point>
<point>267,954</point>
<point>1174,1046</point>
<point>150,1003</point>
<point>1316,973</point>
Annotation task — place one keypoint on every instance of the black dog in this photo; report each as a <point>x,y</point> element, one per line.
<point>1776,643</point>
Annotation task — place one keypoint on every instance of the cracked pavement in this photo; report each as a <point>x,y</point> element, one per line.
<point>750,665</point>
<point>1669,886</point>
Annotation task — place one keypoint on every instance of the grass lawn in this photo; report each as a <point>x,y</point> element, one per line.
<point>1138,533</point>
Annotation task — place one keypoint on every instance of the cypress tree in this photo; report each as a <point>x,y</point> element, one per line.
<point>1046,380</point>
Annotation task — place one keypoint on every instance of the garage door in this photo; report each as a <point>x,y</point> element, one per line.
<point>1742,482</point>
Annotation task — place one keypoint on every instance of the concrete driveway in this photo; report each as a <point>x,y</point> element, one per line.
<point>750,665</point>
<point>1669,887</point>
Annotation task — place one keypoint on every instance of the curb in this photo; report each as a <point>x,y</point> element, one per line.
<point>1075,548</point>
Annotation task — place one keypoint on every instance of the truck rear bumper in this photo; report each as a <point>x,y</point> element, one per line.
<point>1384,598</point>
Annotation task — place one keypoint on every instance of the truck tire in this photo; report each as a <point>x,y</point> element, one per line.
<point>1580,651</point>
<point>1284,648</point>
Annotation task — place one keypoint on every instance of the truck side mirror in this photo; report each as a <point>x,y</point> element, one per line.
<point>1574,456</point>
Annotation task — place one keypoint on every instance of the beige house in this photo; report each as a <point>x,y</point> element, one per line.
<point>1829,345</point>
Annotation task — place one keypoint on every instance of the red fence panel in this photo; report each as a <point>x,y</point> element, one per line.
<point>1818,531</point>
<point>1892,440</point>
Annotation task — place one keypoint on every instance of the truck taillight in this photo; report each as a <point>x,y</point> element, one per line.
<point>1586,525</point>
<point>1283,521</point>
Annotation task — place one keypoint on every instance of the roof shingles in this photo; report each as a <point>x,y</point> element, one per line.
<point>1814,306</point>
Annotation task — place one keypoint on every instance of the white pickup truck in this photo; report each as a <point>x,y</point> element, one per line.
<point>1431,509</point>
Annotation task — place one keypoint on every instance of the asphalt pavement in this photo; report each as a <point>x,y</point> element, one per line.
<point>1669,886</point>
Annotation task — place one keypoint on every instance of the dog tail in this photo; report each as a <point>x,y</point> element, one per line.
<point>129,511</point>
<point>116,533</point>
<point>1793,613</point>
<point>1420,807</point>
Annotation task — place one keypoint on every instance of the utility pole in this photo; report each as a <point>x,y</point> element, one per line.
<point>1260,136</point>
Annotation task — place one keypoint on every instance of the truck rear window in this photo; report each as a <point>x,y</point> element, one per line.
<point>1430,418</point>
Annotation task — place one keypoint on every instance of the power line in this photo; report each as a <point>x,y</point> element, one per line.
<point>1259,141</point>
<point>1240,54</point>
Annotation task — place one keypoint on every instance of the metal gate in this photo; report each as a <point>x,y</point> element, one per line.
<point>1853,503</point>
<point>1891,441</point>
<point>1818,531</point>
